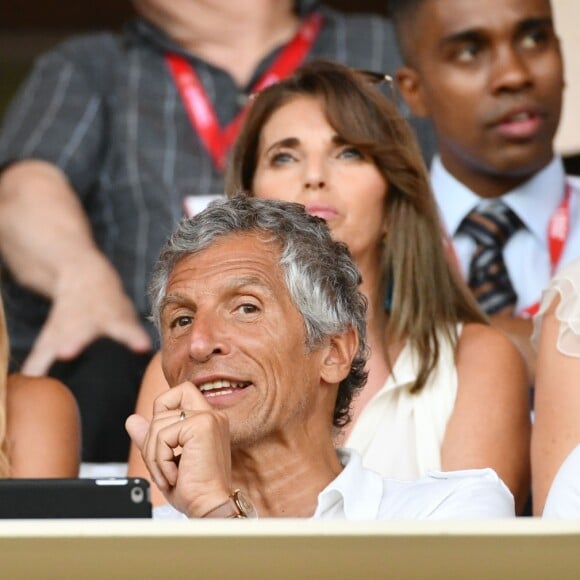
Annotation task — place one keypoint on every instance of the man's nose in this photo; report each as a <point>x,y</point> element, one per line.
<point>206,338</point>
<point>511,70</point>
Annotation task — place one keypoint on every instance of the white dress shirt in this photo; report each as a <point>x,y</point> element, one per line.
<point>526,254</point>
<point>359,493</point>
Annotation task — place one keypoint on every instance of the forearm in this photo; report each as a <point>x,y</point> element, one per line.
<point>45,237</point>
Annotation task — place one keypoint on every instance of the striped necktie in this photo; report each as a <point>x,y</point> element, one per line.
<point>491,227</point>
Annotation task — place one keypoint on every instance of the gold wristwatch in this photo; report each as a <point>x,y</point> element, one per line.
<point>237,506</point>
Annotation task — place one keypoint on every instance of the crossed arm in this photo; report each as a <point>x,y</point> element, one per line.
<point>46,242</point>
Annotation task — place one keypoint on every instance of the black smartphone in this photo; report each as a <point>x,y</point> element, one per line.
<point>110,497</point>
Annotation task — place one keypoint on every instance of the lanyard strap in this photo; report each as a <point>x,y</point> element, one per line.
<point>200,111</point>
<point>558,230</point>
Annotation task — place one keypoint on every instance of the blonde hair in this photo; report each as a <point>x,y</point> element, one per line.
<point>4,355</point>
<point>428,298</point>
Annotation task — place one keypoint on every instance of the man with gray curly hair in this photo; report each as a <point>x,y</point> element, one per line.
<point>263,343</point>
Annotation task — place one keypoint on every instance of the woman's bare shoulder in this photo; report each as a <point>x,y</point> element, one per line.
<point>476,336</point>
<point>24,390</point>
<point>487,358</point>
<point>43,427</point>
<point>40,401</point>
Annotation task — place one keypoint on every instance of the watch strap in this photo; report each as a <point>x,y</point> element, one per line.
<point>229,509</point>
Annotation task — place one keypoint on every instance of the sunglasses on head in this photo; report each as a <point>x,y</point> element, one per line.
<point>377,78</point>
<point>373,77</point>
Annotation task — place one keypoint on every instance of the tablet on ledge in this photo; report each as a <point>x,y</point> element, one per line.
<point>111,497</point>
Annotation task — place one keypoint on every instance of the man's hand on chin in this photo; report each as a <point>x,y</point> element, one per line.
<point>185,426</point>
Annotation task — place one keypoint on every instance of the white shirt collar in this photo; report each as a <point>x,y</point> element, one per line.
<point>534,202</point>
<point>362,494</point>
<point>356,492</point>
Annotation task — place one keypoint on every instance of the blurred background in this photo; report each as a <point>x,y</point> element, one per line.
<point>29,27</point>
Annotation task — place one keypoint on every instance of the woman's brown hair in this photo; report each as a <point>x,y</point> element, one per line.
<point>426,297</point>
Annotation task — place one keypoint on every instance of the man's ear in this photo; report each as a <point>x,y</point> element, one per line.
<point>409,85</point>
<point>339,354</point>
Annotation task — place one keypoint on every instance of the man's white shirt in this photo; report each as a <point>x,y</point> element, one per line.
<point>359,493</point>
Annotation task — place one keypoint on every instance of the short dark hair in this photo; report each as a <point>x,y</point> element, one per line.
<point>402,14</point>
<point>321,275</point>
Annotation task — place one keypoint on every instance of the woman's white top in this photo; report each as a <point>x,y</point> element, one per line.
<point>400,434</point>
<point>565,285</point>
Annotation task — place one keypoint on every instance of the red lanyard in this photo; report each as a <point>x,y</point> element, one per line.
<point>558,230</point>
<point>200,111</point>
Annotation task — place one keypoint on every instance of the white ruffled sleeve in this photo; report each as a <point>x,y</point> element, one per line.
<point>566,285</point>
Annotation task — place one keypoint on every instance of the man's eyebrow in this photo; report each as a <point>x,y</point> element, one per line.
<point>234,284</point>
<point>535,23</point>
<point>476,34</point>
<point>174,299</point>
<point>463,36</point>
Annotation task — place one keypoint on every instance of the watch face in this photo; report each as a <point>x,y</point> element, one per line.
<point>245,505</point>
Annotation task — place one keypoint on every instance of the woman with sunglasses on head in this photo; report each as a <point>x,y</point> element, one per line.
<point>445,390</point>
<point>39,423</point>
